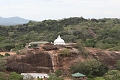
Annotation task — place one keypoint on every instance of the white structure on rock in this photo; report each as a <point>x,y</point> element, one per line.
<point>59,41</point>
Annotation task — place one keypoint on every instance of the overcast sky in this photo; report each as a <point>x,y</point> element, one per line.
<point>58,9</point>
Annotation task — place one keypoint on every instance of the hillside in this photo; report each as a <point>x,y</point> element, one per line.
<point>96,33</point>
<point>13,21</point>
<point>96,39</point>
<point>41,60</point>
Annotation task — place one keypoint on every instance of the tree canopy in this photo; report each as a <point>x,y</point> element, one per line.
<point>99,33</point>
<point>90,68</point>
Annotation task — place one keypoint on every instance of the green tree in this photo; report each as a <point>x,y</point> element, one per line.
<point>15,76</point>
<point>81,48</point>
<point>112,75</point>
<point>90,68</point>
<point>99,78</point>
<point>58,72</point>
<point>90,42</point>
<point>118,64</point>
<point>64,52</point>
<point>3,64</point>
<point>9,47</point>
<point>54,77</point>
<point>2,76</point>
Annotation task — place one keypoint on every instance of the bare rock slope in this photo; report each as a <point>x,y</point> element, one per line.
<point>51,60</point>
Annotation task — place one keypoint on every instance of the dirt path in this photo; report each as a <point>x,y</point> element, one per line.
<point>11,53</point>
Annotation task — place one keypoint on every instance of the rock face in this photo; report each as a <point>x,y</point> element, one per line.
<point>51,60</point>
<point>107,57</point>
<point>31,62</point>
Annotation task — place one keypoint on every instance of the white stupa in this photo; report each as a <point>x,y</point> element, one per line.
<point>59,41</point>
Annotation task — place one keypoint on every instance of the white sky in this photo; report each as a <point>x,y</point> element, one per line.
<point>58,9</point>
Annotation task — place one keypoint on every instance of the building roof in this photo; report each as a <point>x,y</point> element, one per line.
<point>78,75</point>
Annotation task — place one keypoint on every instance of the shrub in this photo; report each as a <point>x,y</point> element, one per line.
<point>2,76</point>
<point>118,64</point>
<point>99,78</point>
<point>116,48</point>
<point>58,72</point>
<point>112,75</point>
<point>3,64</point>
<point>64,52</point>
<point>91,67</point>
<point>81,47</point>
<point>54,77</point>
<point>15,76</point>
<point>7,54</point>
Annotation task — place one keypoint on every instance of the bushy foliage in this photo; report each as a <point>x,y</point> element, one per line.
<point>112,75</point>
<point>54,77</point>
<point>90,68</point>
<point>100,33</point>
<point>3,76</point>
<point>99,78</point>
<point>3,65</point>
<point>58,72</point>
<point>81,47</point>
<point>15,76</point>
<point>64,52</point>
<point>12,76</point>
<point>116,48</point>
<point>118,64</point>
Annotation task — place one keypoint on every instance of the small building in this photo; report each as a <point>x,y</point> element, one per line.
<point>79,76</point>
<point>34,75</point>
<point>59,41</point>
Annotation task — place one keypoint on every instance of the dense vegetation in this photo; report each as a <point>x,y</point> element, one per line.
<point>11,76</point>
<point>100,33</point>
<point>90,68</point>
<point>95,70</point>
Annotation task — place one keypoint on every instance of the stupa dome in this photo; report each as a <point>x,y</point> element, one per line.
<point>59,41</point>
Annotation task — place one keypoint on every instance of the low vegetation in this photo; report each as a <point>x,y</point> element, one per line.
<point>65,52</point>
<point>53,76</point>
<point>118,64</point>
<point>3,63</point>
<point>11,76</point>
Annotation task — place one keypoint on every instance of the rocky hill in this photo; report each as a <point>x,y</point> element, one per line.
<point>52,58</point>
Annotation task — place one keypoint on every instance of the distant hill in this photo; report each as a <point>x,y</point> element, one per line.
<point>13,21</point>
